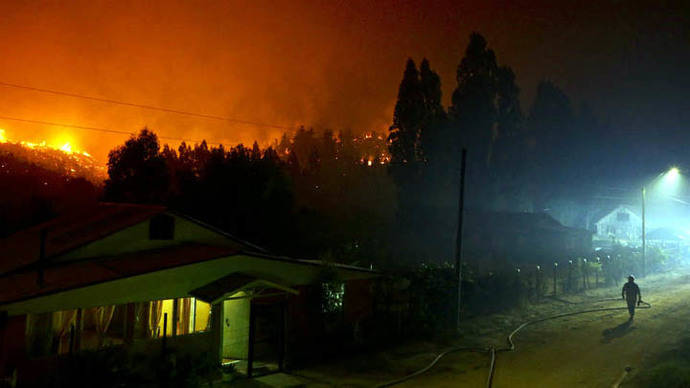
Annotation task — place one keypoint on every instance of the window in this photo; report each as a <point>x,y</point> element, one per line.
<point>623,216</point>
<point>193,316</point>
<point>162,227</point>
<point>333,294</point>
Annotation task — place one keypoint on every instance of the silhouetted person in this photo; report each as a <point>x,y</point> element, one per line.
<point>631,293</point>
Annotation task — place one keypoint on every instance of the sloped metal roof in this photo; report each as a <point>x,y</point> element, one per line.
<point>234,283</point>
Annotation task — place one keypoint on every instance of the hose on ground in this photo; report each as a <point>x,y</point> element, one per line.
<point>431,365</point>
<point>490,378</point>
<point>511,344</point>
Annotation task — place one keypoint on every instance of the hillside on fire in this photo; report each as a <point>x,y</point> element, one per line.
<point>331,194</point>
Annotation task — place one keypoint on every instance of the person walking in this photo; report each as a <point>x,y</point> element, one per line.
<point>631,293</point>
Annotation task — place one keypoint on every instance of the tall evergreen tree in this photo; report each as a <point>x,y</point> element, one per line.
<point>486,116</point>
<point>408,115</point>
<point>434,113</point>
<point>473,106</point>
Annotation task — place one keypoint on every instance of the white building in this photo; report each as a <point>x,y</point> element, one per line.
<point>621,224</point>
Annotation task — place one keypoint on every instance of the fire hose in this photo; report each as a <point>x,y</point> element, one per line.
<point>511,344</point>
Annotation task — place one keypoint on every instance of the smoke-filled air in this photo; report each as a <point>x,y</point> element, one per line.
<point>344,193</point>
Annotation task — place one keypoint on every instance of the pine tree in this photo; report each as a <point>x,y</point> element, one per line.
<point>407,118</point>
<point>473,102</point>
<point>434,114</point>
<point>486,119</point>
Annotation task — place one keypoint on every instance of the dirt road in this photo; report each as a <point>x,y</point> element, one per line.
<point>589,350</point>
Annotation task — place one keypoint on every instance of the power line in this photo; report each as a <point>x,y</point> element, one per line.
<point>143,106</point>
<point>97,129</point>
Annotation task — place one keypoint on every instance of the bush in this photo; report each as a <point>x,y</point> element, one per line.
<point>433,294</point>
<point>116,367</point>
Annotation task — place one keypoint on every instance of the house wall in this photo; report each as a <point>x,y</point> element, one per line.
<point>236,327</point>
<point>136,238</point>
<point>611,226</point>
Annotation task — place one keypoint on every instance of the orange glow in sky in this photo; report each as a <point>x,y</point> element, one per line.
<point>333,64</point>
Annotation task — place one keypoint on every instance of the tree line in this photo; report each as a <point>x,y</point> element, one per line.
<point>381,198</point>
<point>517,161</point>
<point>308,195</point>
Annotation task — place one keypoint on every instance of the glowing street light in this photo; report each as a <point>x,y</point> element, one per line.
<point>668,184</point>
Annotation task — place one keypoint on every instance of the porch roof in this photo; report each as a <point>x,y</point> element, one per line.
<point>234,283</point>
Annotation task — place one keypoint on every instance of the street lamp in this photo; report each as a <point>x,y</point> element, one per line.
<point>668,184</point>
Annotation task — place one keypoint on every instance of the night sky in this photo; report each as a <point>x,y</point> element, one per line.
<point>333,64</point>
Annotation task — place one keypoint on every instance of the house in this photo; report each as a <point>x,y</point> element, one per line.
<point>133,275</point>
<point>495,238</point>
<point>620,224</point>
<point>674,242</point>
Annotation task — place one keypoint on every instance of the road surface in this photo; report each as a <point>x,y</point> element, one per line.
<point>589,350</point>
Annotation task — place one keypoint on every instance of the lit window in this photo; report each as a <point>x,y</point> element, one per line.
<point>192,316</point>
<point>202,313</point>
<point>333,294</point>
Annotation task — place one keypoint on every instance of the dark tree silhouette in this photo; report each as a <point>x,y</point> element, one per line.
<point>407,118</point>
<point>486,118</point>
<point>434,113</point>
<point>473,106</point>
<point>137,172</point>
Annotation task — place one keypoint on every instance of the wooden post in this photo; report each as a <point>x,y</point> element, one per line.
<point>165,330</point>
<point>217,331</point>
<point>555,276</point>
<point>283,334</point>
<point>252,334</point>
<point>458,238</point>
<point>537,282</point>
<point>79,328</point>
<point>175,316</point>
<point>71,339</point>
<point>130,322</point>
<point>644,239</point>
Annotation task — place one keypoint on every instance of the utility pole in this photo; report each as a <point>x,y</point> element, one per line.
<point>458,238</point>
<point>644,240</point>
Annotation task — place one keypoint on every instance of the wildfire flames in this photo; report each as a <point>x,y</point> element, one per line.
<point>66,147</point>
<point>57,156</point>
<point>62,156</point>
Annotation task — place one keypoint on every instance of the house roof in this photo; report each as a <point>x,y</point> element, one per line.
<point>57,277</point>
<point>502,221</point>
<point>24,283</point>
<point>70,231</point>
<point>667,234</point>
<point>602,213</point>
<point>27,278</point>
<point>233,283</point>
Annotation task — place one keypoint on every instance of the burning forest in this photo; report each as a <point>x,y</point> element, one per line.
<point>356,193</point>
